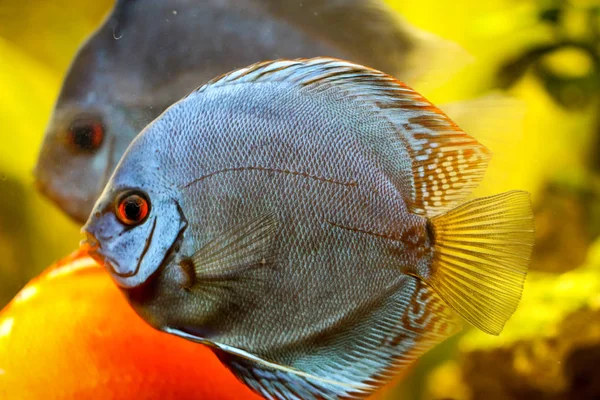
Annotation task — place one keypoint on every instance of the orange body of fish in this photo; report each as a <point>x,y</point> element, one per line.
<point>69,334</point>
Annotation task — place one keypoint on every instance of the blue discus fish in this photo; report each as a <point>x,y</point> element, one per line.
<point>304,219</point>
<point>150,53</point>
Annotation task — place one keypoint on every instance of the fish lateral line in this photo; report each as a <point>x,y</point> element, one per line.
<point>395,238</point>
<point>351,183</point>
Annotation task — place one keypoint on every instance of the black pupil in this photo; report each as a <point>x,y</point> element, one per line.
<point>83,136</point>
<point>133,208</point>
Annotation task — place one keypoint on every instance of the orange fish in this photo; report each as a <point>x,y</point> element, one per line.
<point>70,334</point>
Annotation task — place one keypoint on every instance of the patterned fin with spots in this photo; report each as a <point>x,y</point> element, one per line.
<point>481,255</point>
<point>446,163</point>
<point>390,335</point>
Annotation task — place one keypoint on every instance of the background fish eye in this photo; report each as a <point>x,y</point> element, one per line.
<point>85,135</point>
<point>132,207</point>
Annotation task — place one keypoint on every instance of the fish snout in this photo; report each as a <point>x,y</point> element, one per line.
<point>93,246</point>
<point>106,244</point>
<point>90,243</point>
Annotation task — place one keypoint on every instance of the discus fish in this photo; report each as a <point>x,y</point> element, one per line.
<point>148,54</point>
<point>302,218</point>
<point>70,334</point>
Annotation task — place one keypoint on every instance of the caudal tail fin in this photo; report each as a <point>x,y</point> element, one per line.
<point>481,254</point>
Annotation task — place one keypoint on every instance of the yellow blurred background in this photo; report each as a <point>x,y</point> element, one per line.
<point>544,53</point>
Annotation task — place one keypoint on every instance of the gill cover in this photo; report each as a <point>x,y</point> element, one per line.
<point>133,253</point>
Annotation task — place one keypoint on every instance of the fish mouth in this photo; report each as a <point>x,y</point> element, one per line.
<point>111,265</point>
<point>90,243</point>
<point>92,247</point>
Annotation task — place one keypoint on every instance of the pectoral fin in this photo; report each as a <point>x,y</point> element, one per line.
<point>247,246</point>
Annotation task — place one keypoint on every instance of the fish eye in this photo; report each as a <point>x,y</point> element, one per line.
<point>132,208</point>
<point>86,135</point>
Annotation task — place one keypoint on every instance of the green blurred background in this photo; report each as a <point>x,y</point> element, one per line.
<point>545,53</point>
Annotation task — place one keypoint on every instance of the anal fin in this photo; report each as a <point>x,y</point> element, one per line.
<point>281,383</point>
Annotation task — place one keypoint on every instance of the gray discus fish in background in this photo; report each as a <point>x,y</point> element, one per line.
<point>304,219</point>
<point>150,53</point>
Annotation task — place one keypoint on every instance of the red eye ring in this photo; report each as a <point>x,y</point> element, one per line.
<point>132,208</point>
<point>86,135</point>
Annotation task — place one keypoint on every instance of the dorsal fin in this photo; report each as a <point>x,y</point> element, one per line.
<point>447,164</point>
